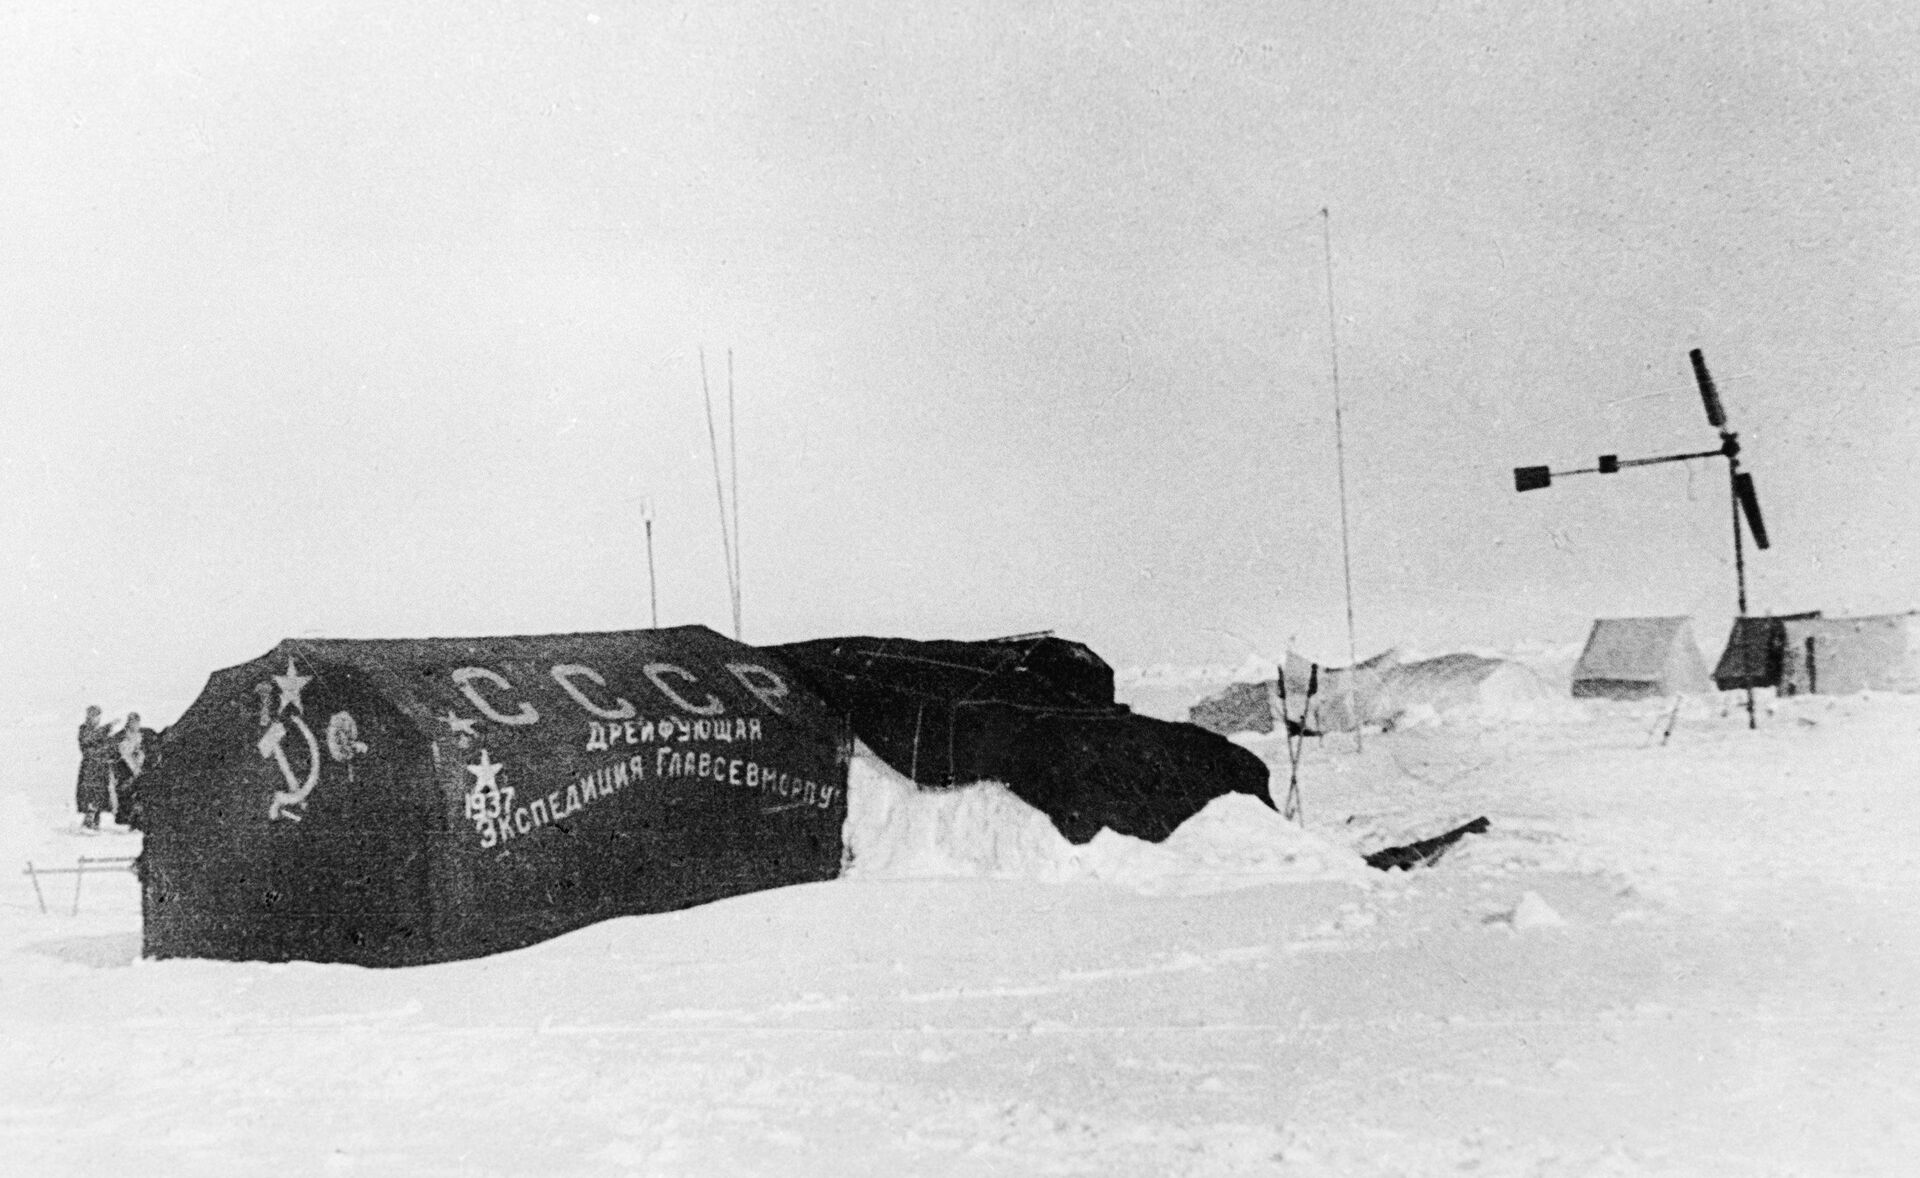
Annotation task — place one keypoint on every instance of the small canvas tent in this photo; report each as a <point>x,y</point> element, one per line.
<point>1640,658</point>
<point>405,801</point>
<point>1754,651</point>
<point>1344,698</point>
<point>1035,713</point>
<point>1833,656</point>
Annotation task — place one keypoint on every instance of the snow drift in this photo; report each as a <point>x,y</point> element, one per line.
<point>898,830</point>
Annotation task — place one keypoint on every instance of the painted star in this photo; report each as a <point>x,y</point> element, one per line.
<point>459,724</point>
<point>291,685</point>
<point>485,772</point>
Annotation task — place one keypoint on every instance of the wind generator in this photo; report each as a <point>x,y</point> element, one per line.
<point>1745,500</point>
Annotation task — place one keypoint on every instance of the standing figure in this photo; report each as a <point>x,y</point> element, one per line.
<point>134,750</point>
<point>94,790</point>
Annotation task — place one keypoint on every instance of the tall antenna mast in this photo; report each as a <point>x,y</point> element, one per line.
<point>720,494</point>
<point>733,464</point>
<point>1340,457</point>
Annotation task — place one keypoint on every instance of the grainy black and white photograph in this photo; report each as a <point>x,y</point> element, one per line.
<point>599,588</point>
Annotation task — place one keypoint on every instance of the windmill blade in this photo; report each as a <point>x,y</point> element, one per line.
<point>1750,504</point>
<point>1709,396</point>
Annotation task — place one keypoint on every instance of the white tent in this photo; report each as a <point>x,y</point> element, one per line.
<point>1640,658</point>
<point>1836,655</point>
<point>1344,698</point>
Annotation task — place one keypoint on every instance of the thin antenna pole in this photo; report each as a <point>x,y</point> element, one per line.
<point>1340,455</point>
<point>653,585</point>
<point>719,490</point>
<point>733,461</point>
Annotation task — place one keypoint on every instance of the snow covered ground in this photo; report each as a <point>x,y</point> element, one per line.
<point>1690,957</point>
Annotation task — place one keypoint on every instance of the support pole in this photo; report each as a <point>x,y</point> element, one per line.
<point>1739,548</point>
<point>653,586</point>
<point>1740,570</point>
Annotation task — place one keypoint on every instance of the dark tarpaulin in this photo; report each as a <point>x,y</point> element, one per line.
<point>1035,713</point>
<point>1756,651</point>
<point>401,801</point>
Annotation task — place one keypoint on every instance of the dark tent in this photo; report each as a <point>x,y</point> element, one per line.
<point>395,802</point>
<point>1756,649</point>
<point>1036,713</point>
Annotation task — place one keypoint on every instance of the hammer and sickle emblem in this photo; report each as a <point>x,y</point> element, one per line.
<point>271,750</point>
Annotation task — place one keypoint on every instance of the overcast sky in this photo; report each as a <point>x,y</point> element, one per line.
<point>334,319</point>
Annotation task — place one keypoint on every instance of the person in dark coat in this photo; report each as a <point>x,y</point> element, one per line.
<point>135,748</point>
<point>94,790</point>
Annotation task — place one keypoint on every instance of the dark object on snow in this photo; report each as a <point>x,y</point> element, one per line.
<point>1426,851</point>
<point>93,789</point>
<point>1239,707</point>
<point>1246,707</point>
<point>1756,651</point>
<point>1036,713</point>
<point>136,750</point>
<point>404,801</point>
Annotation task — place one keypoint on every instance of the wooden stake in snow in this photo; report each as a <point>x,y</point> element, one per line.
<point>1672,718</point>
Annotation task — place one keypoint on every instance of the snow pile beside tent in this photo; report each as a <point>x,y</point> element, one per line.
<point>896,830</point>
<point>1236,842</point>
<point>1471,687</point>
<point>1553,662</point>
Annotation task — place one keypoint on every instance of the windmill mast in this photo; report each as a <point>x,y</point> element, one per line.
<point>1746,501</point>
